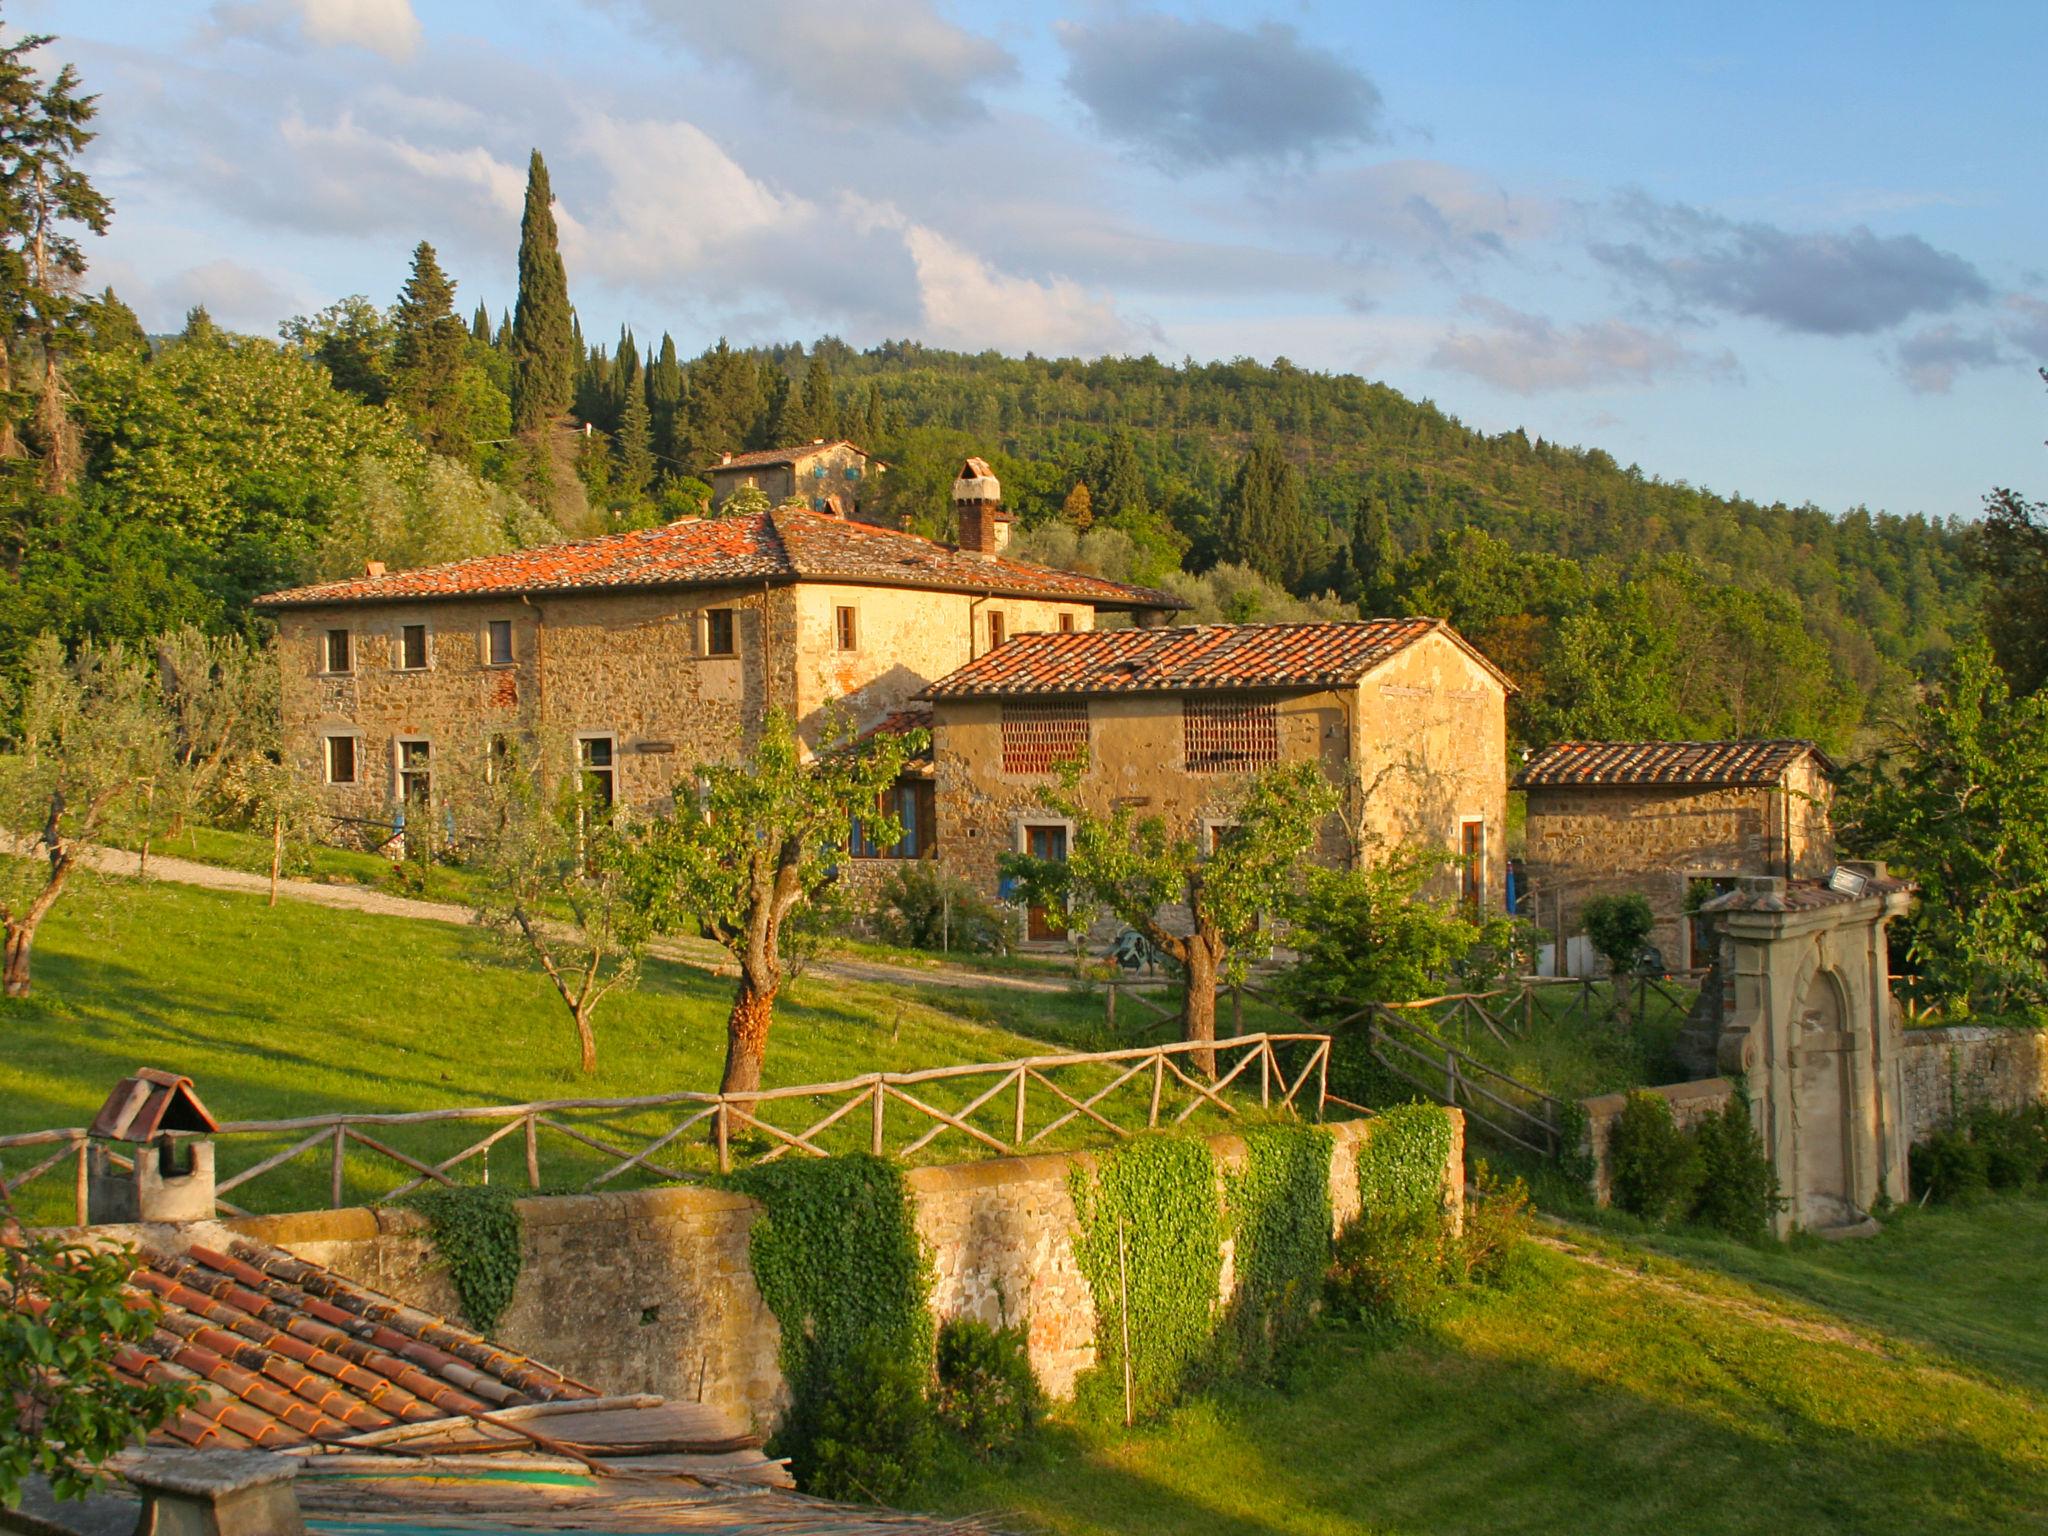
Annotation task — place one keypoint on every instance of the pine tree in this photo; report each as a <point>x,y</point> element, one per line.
<point>1117,483</point>
<point>1374,554</point>
<point>544,346</point>
<point>783,419</point>
<point>1265,524</point>
<point>1078,509</point>
<point>634,465</point>
<point>426,355</point>
<point>43,198</point>
<point>876,426</point>
<point>626,377</point>
<point>665,398</point>
<point>722,405</point>
<point>821,406</point>
<point>502,337</point>
<point>199,331</point>
<point>112,328</point>
<point>480,323</point>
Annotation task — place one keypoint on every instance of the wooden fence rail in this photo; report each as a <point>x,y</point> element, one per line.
<point>1491,1099</point>
<point>1291,1072</point>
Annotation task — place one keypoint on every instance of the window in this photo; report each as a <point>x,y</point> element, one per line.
<point>846,633</point>
<point>412,648</point>
<point>341,757</point>
<point>1472,848</point>
<point>1066,623</point>
<point>498,760</point>
<point>598,757</point>
<point>817,471</point>
<point>340,651</point>
<point>1041,734</point>
<point>498,643</point>
<point>1226,735</point>
<point>911,803</point>
<point>718,633</point>
<point>851,472</point>
<point>1215,834</point>
<point>996,629</point>
<point>819,503</point>
<point>415,773</point>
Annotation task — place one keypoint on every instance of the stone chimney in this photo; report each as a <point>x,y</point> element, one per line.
<point>978,503</point>
<point>373,568</point>
<point>167,1179</point>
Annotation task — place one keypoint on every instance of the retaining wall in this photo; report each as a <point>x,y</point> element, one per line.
<point>651,1290</point>
<point>1690,1104</point>
<point>1948,1072</point>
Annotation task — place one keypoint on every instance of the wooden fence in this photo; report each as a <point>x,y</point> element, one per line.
<point>1021,1107</point>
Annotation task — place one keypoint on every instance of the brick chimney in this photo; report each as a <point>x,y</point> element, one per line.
<point>978,504</point>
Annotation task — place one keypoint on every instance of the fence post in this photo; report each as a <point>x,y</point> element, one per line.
<point>1528,1008</point>
<point>340,1145</point>
<point>1266,1073</point>
<point>878,1114</point>
<point>1111,986</point>
<point>1237,1008</point>
<point>1323,1077</point>
<point>725,1137</point>
<point>1022,1078</point>
<point>83,1181</point>
<point>1158,1084</point>
<point>1450,1077</point>
<point>532,1151</point>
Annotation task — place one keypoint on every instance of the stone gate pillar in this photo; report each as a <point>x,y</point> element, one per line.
<point>1807,1025</point>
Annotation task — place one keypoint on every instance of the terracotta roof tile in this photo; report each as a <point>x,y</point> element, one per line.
<point>282,1365</point>
<point>1701,764</point>
<point>1196,656</point>
<point>787,544</point>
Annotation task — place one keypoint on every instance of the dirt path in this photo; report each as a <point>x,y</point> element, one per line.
<point>359,898</point>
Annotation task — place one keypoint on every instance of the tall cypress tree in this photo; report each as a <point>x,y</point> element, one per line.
<point>821,406</point>
<point>426,354</point>
<point>1374,554</point>
<point>1117,483</point>
<point>543,327</point>
<point>480,323</point>
<point>1265,525</point>
<point>876,427</point>
<point>665,397</point>
<point>634,464</point>
<point>784,422</point>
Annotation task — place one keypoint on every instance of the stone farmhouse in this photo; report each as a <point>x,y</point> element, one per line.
<point>645,652</point>
<point>824,476</point>
<point>1403,715</point>
<point>1677,821</point>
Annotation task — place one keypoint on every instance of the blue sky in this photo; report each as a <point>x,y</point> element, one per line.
<point>1790,251</point>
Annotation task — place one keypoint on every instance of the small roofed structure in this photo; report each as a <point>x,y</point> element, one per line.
<point>826,475</point>
<point>978,505</point>
<point>1677,822</point>
<point>163,1178</point>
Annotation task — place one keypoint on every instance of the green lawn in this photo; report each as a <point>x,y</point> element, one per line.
<point>1601,1399</point>
<point>301,1010</point>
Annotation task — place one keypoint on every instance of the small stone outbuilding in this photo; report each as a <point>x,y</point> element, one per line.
<point>1404,716</point>
<point>825,476</point>
<point>1677,822</point>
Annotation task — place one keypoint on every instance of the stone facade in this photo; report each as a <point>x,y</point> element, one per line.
<point>1417,747</point>
<point>1588,840</point>
<point>638,670</point>
<point>826,477</point>
<point>1949,1072</point>
<point>652,1291</point>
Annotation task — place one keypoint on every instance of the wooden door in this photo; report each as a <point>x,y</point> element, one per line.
<point>1043,842</point>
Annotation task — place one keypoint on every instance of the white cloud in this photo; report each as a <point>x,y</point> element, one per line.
<point>969,304</point>
<point>238,297</point>
<point>1423,206</point>
<point>386,27</point>
<point>1529,354</point>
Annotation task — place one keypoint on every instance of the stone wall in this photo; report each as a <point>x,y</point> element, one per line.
<point>834,491</point>
<point>1950,1072</point>
<point>652,1291</point>
<point>1690,1104</point>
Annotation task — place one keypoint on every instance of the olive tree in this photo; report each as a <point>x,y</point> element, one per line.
<point>752,843</point>
<point>1232,882</point>
<point>90,730</point>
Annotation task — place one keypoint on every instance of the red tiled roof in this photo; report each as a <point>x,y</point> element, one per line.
<point>914,716</point>
<point>1196,656</point>
<point>786,544</point>
<point>1703,764</point>
<point>761,458</point>
<point>288,1353</point>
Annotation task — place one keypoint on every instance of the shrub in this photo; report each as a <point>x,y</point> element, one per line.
<point>874,1436</point>
<point>1619,927</point>
<point>1492,1244</point>
<point>2015,1146</point>
<point>987,1395</point>
<point>1388,1268</point>
<point>1738,1188</point>
<point>922,907</point>
<point>1655,1168</point>
<point>1949,1166</point>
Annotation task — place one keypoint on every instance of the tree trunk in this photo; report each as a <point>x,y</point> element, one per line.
<point>586,1039</point>
<point>277,867</point>
<point>746,1032</point>
<point>1198,1001</point>
<point>20,938</point>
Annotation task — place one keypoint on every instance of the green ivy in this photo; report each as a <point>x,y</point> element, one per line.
<point>1151,1248</point>
<point>478,1236</point>
<point>1278,1209</point>
<point>1401,1163</point>
<point>837,1258</point>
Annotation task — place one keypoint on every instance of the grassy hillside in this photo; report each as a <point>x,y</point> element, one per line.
<point>301,1010</point>
<point>1624,1395</point>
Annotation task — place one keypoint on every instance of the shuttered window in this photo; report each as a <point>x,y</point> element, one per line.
<point>1041,734</point>
<point>1229,735</point>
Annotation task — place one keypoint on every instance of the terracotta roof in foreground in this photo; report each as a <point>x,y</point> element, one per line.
<point>1700,764</point>
<point>787,544</point>
<point>1195,656</point>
